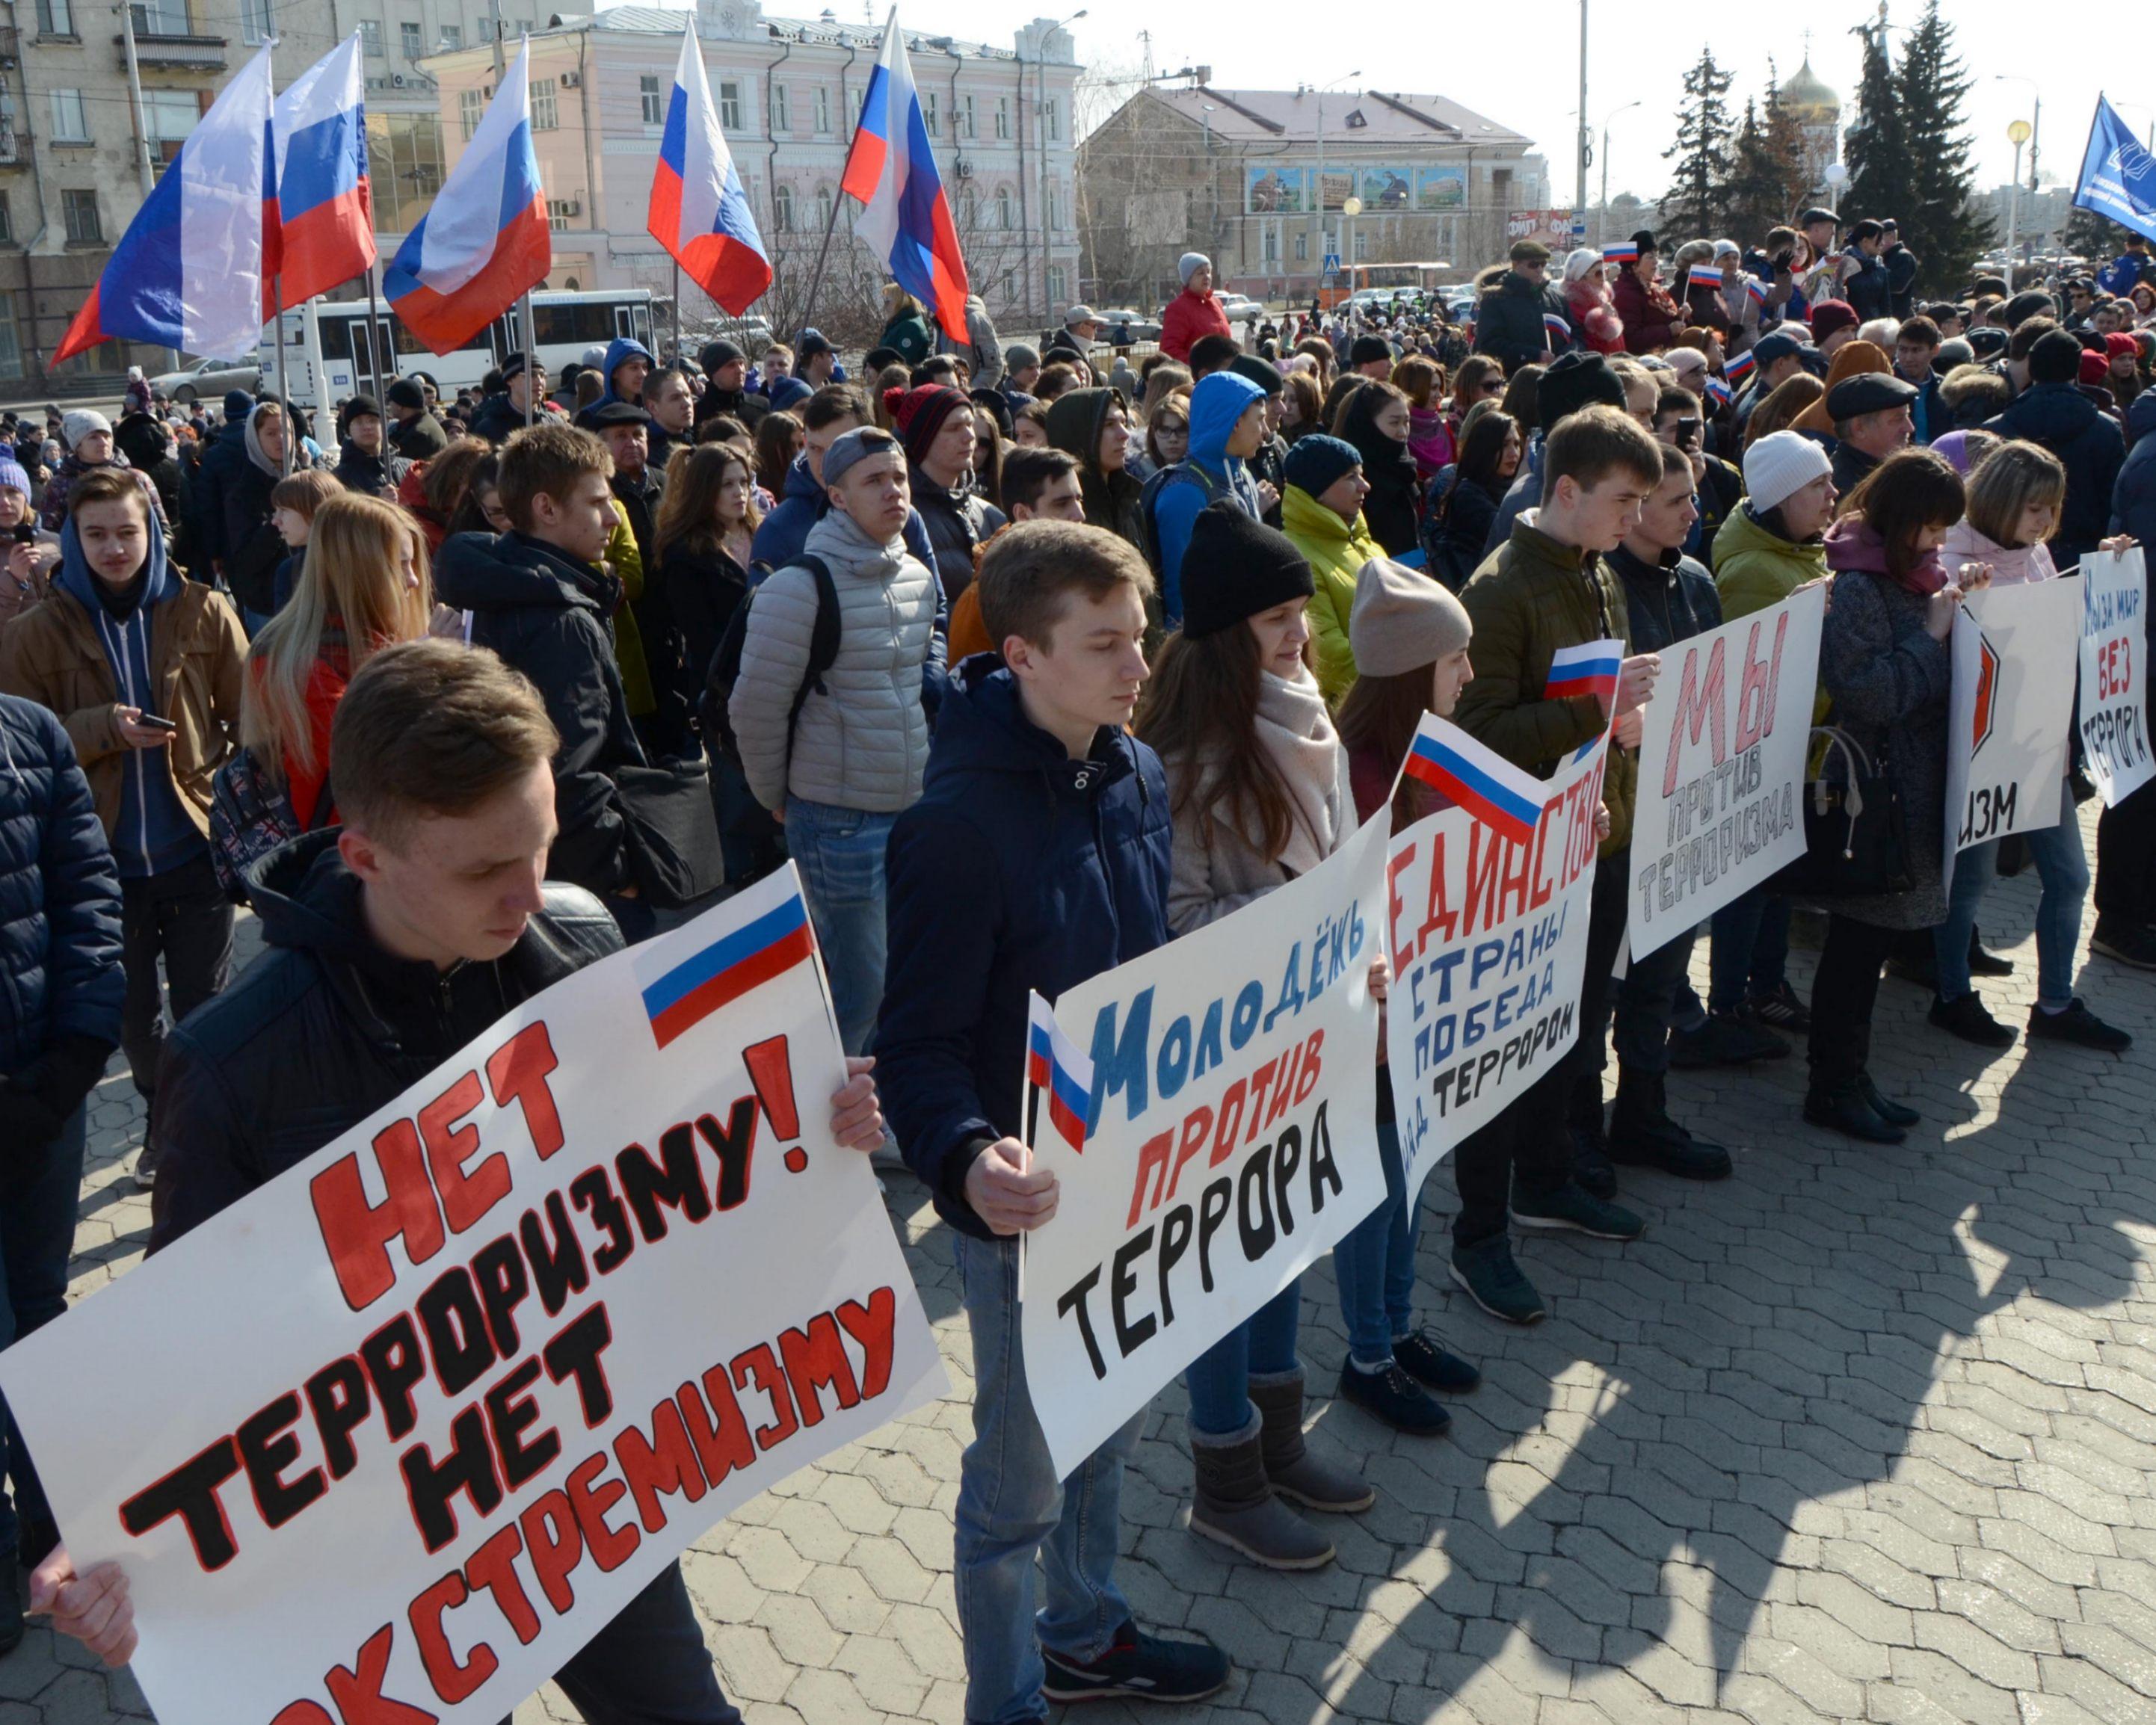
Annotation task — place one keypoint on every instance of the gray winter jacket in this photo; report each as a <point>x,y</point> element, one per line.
<point>862,741</point>
<point>982,348</point>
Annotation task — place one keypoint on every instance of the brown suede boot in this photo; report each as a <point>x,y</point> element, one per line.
<point>1290,1467</point>
<point>1236,1505</point>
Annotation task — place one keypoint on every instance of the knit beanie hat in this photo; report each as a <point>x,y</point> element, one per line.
<point>859,444</point>
<point>2095,367</point>
<point>1190,263</point>
<point>917,415</point>
<point>405,393</point>
<point>1366,349</point>
<point>1262,372</point>
<point>78,424</point>
<point>1778,466</point>
<point>2055,358</point>
<point>717,354</point>
<point>1235,567</point>
<point>1316,463</point>
<point>1018,357</point>
<point>1832,315</point>
<point>358,406</point>
<point>1401,620</point>
<point>1575,381</point>
<point>238,404</point>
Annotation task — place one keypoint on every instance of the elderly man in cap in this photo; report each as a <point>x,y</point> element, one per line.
<point>1194,313</point>
<point>1072,345</point>
<point>1508,322</point>
<point>1872,420</point>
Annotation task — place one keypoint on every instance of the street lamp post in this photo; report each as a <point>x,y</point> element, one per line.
<point>1602,214</point>
<point>2017,134</point>
<point>1317,192</point>
<point>1579,181</point>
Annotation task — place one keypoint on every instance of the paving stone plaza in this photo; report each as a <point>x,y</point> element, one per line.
<point>1859,1434</point>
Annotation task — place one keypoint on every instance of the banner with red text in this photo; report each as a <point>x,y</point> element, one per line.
<point>2114,663</point>
<point>400,1431</point>
<point>1487,926</point>
<point>1231,1138</point>
<point>2010,710</point>
<point>1722,767</point>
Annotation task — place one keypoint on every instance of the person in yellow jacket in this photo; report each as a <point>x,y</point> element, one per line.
<point>1321,514</point>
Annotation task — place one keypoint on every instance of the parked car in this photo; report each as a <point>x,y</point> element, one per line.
<point>1240,309</point>
<point>1120,326</point>
<point>209,378</point>
<point>751,335</point>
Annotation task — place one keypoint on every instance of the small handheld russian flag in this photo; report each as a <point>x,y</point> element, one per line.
<point>1055,1068</point>
<point>1559,329</point>
<point>1704,275</point>
<point>1718,392</point>
<point>738,961</point>
<point>1756,288</point>
<point>1738,366</point>
<point>1622,251</point>
<point>1477,777</point>
<point>1590,669</point>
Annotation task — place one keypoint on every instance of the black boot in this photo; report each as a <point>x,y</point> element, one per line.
<point>1642,1134</point>
<point>1843,1106</point>
<point>1590,1143</point>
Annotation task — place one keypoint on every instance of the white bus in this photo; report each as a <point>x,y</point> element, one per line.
<point>328,357</point>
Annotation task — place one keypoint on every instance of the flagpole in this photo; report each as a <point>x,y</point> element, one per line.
<point>677,311</point>
<point>823,252</point>
<point>284,394</point>
<point>531,359</point>
<point>374,337</point>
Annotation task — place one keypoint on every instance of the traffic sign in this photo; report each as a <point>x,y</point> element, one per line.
<point>1332,262</point>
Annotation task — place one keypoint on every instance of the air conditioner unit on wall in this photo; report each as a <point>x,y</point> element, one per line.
<point>569,80</point>
<point>962,168</point>
<point>396,81</point>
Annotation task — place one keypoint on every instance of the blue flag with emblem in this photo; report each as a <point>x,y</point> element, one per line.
<point>2118,175</point>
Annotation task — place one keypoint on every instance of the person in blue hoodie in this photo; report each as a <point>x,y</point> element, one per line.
<point>145,670</point>
<point>1227,424</point>
<point>1035,858</point>
<point>626,364</point>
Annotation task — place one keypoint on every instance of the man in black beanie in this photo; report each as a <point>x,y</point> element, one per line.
<point>1371,356</point>
<point>725,390</point>
<point>417,434</point>
<point>1269,466</point>
<point>1575,381</point>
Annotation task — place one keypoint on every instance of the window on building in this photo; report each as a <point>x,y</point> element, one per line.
<point>7,238</point>
<point>255,23</point>
<point>370,36</point>
<point>55,18</point>
<point>471,106</point>
<point>1302,248</point>
<point>928,111</point>
<point>84,226</point>
<point>1055,285</point>
<point>545,116</point>
<point>782,209</point>
<point>1361,247</point>
<point>404,166</point>
<point>1002,117</point>
<point>854,100</point>
<point>1004,209</point>
<point>655,105</point>
<point>453,37</point>
<point>1272,245</point>
<point>968,126</point>
<point>559,210</point>
<point>1051,207</point>
<point>170,116</point>
<point>11,347</point>
<point>781,109</point>
<point>522,26</point>
<point>1052,118</point>
<point>969,211</point>
<point>169,17</point>
<point>411,40</point>
<point>70,124</point>
<point>823,110</point>
<point>485,27</point>
<point>730,108</point>
<point>823,196</point>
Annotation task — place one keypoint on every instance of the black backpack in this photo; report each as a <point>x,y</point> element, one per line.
<point>725,669</point>
<point>1179,472</point>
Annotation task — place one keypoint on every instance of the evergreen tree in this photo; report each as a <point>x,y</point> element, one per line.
<point>1940,220</point>
<point>2088,234</point>
<point>1877,147</point>
<point>1766,183</point>
<point>1697,202</point>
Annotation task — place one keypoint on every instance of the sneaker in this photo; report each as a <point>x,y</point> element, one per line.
<point>1137,1667</point>
<point>2127,945</point>
<point>2077,1024</point>
<point>1781,1010</point>
<point>1486,1271</point>
<point>1390,1394</point>
<point>1428,1361</point>
<point>1569,1209</point>
<point>1966,1018</point>
<point>1726,1039</point>
<point>1986,963</point>
<point>145,1168</point>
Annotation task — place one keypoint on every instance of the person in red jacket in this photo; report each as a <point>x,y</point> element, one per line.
<point>1651,318</point>
<point>1192,314</point>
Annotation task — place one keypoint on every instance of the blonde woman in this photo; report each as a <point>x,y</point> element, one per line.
<point>906,328</point>
<point>364,586</point>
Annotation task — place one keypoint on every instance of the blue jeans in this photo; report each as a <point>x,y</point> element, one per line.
<point>1218,1380</point>
<point>1375,1265</point>
<point>840,852</point>
<point>650,1666</point>
<point>1011,1506</point>
<point>37,1238</point>
<point>1750,952</point>
<point>2062,867</point>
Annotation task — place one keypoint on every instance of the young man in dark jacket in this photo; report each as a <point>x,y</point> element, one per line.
<point>365,461</point>
<point>1037,857</point>
<point>417,434</point>
<point>59,1020</point>
<point>501,416</point>
<point>1508,322</point>
<point>540,596</point>
<point>393,942</point>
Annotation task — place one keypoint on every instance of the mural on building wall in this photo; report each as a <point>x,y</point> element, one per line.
<point>1384,188</point>
<point>1441,188</point>
<point>1339,186</point>
<point>1275,190</point>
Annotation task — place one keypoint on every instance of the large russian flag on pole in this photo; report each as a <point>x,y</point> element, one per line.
<point>699,211</point>
<point>484,241</point>
<point>891,171</point>
<point>325,203</point>
<point>188,273</point>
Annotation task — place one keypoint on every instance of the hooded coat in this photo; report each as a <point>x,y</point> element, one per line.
<point>1337,550</point>
<point>1075,419</point>
<point>252,549</point>
<point>622,348</point>
<point>1018,869</point>
<point>1215,405</point>
<point>1394,508</point>
<point>551,617</point>
<point>2059,419</point>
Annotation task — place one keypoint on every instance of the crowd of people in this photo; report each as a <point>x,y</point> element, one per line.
<point>1031,662</point>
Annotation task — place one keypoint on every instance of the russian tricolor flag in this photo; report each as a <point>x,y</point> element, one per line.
<point>191,271</point>
<point>1718,391</point>
<point>325,202</point>
<point>484,241</point>
<point>905,218</point>
<point>1055,1068</point>
<point>1590,669</point>
<point>1704,275</point>
<point>1558,330</point>
<point>699,211</point>
<point>1756,288</point>
<point>1479,779</point>
<point>1621,251</point>
<point>1738,366</point>
<point>750,956</point>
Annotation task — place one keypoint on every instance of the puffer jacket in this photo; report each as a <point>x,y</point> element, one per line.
<point>325,1026</point>
<point>1337,549</point>
<point>60,896</point>
<point>1114,500</point>
<point>1755,568</point>
<point>370,474</point>
<point>1535,597</point>
<point>784,534</point>
<point>550,616</point>
<point>1019,868</point>
<point>2061,419</point>
<point>1215,405</point>
<point>861,741</point>
<point>197,657</point>
<point>1188,320</point>
<point>959,522</point>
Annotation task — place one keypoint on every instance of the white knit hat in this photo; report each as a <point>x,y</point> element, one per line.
<point>1781,464</point>
<point>1189,264</point>
<point>81,422</point>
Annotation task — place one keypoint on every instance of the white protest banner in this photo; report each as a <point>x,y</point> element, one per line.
<point>396,1434</point>
<point>1486,919</point>
<point>2010,710</point>
<point>1722,766</point>
<point>1241,1057</point>
<point>2114,673</point>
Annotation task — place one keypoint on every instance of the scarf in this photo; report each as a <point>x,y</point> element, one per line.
<point>1296,729</point>
<point>255,453</point>
<point>1851,544</point>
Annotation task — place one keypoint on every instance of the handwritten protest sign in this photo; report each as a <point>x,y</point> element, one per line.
<point>1230,1139</point>
<point>1722,767</point>
<point>2114,681</point>
<point>393,1436</point>
<point>2010,710</point>
<point>1485,918</point>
